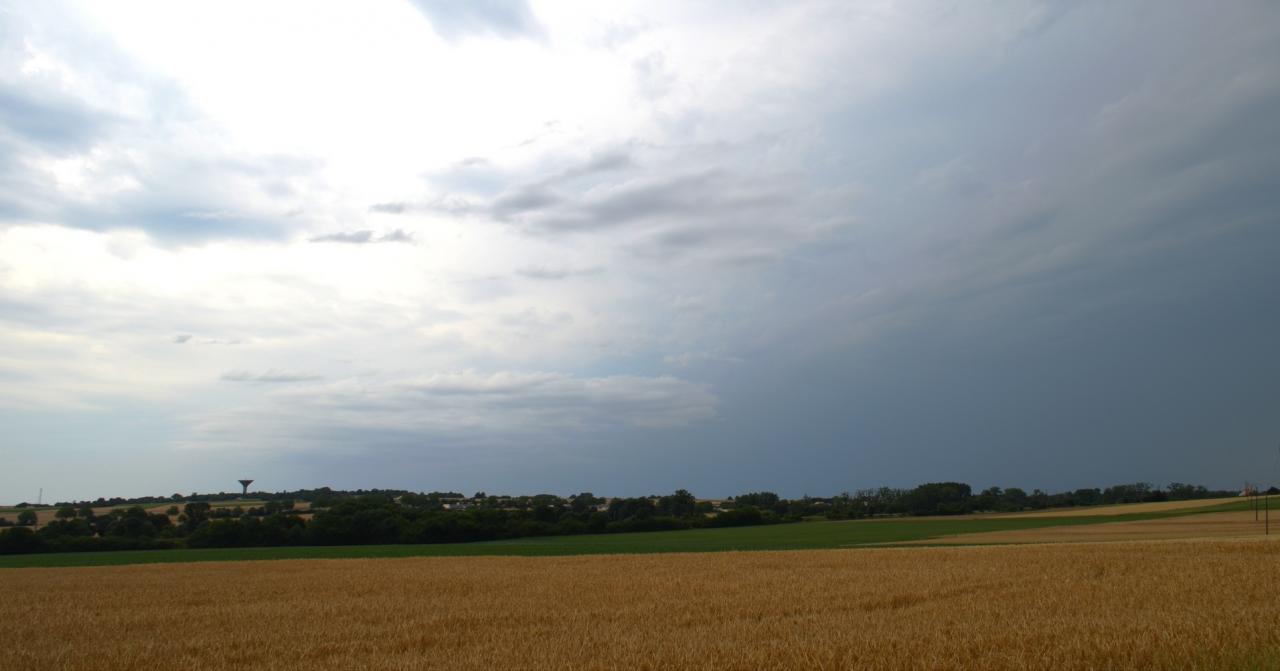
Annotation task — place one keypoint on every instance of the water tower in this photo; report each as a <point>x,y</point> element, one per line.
<point>245,484</point>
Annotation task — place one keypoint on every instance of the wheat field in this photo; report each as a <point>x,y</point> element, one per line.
<point>1150,605</point>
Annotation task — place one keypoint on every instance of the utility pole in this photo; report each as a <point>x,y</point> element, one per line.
<point>1253,498</point>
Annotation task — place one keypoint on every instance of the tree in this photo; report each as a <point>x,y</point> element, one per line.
<point>757,499</point>
<point>585,502</point>
<point>65,513</point>
<point>27,518</point>
<point>195,514</point>
<point>621,509</point>
<point>938,498</point>
<point>1015,498</point>
<point>680,504</point>
<point>19,540</point>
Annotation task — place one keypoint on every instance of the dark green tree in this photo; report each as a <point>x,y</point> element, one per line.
<point>194,514</point>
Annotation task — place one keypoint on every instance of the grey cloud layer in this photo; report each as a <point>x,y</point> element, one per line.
<point>363,237</point>
<point>662,204</point>
<point>497,410</point>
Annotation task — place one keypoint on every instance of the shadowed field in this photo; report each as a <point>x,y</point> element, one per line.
<point>1207,525</point>
<point>1167,605</point>
<point>1130,508</point>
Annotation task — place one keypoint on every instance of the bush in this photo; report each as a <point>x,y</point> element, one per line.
<point>20,540</point>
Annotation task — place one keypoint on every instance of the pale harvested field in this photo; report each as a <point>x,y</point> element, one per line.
<point>1158,605</point>
<point>1206,525</point>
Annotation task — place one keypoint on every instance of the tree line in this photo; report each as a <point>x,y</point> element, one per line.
<point>361,517</point>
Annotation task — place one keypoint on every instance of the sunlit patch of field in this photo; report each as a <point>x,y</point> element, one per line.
<point>1165,605</point>
<point>1207,525</point>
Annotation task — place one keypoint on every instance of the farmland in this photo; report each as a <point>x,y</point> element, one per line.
<point>809,535</point>
<point>1207,525</point>
<point>1136,605</point>
<point>825,596</point>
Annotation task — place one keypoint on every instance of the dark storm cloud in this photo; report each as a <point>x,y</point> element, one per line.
<point>1071,297</point>
<point>504,18</point>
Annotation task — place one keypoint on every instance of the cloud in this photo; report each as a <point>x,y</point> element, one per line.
<point>711,213</point>
<point>503,18</point>
<point>686,359</point>
<point>525,200</point>
<point>97,141</point>
<point>51,121</point>
<point>352,237</point>
<point>543,273</point>
<point>270,375</point>
<point>365,237</point>
<point>500,407</point>
<point>606,161</point>
<point>396,236</point>
<point>992,242</point>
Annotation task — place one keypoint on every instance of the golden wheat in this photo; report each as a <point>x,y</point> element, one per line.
<point>1156,605</point>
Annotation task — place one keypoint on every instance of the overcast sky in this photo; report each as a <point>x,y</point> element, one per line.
<point>631,247</point>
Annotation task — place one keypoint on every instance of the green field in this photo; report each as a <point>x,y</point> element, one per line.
<point>799,536</point>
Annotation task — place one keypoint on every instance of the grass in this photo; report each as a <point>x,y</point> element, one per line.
<point>799,536</point>
<point>1119,606</point>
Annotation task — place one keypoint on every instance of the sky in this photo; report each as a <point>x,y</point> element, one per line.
<point>630,247</point>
